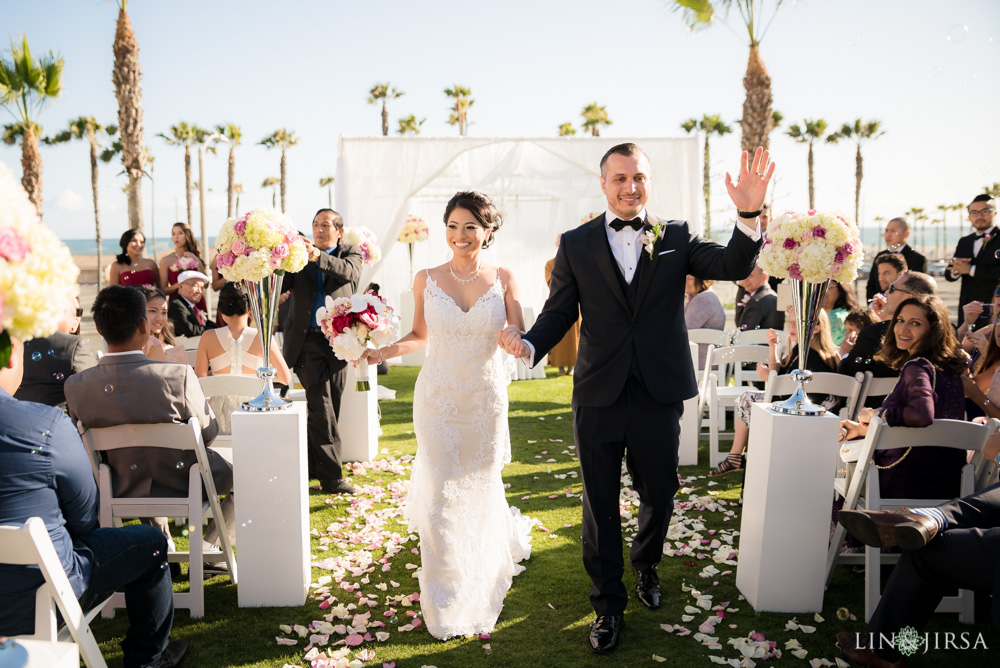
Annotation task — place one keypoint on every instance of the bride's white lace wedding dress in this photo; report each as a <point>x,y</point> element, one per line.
<point>470,540</point>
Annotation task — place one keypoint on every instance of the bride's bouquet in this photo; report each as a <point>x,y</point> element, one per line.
<point>814,247</point>
<point>351,322</point>
<point>365,239</point>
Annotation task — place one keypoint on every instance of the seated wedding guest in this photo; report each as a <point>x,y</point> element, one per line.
<point>952,546</point>
<point>234,349</point>
<point>840,300</point>
<point>855,321</point>
<point>759,307</point>
<point>921,346</point>
<point>47,474</point>
<point>982,390</point>
<point>188,319</point>
<point>130,267</point>
<point>563,354</point>
<point>863,356</point>
<point>126,387</point>
<point>702,310</point>
<point>897,232</point>
<point>822,357</point>
<point>54,358</point>
<point>887,268</point>
<point>160,346</point>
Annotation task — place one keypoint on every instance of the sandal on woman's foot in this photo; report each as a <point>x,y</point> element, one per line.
<point>732,463</point>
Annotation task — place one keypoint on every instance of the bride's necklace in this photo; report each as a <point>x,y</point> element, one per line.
<point>464,281</point>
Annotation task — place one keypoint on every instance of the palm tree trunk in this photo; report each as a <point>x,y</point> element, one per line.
<point>274,197</point>
<point>237,202</point>
<point>595,131</point>
<point>329,196</point>
<point>97,213</point>
<point>857,186</point>
<point>31,167</point>
<point>706,190</point>
<point>757,121</point>
<point>282,179</point>
<point>201,200</point>
<point>232,177</point>
<point>126,76</point>
<point>187,184</point>
<point>385,120</point>
<point>812,192</point>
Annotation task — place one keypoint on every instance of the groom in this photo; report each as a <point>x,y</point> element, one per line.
<point>626,270</point>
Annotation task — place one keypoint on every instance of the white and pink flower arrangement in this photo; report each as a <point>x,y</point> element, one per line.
<point>350,323</point>
<point>37,272</point>
<point>414,230</point>
<point>364,239</point>
<point>814,247</point>
<point>261,243</point>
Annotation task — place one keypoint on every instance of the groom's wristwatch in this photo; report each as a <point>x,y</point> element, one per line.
<point>748,214</point>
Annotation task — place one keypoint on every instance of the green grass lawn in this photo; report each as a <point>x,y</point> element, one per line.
<point>547,610</point>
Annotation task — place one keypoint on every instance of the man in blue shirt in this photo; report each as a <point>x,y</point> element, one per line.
<point>45,472</point>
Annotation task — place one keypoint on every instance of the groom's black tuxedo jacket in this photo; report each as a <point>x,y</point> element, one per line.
<point>981,286</point>
<point>641,323</point>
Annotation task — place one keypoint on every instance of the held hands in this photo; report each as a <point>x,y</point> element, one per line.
<point>850,430</point>
<point>509,339</point>
<point>972,311</point>
<point>371,355</point>
<point>749,191</point>
<point>961,265</point>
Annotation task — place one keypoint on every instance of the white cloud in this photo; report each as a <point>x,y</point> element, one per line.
<point>70,202</point>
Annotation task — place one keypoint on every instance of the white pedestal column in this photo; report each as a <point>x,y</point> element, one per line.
<point>405,312</point>
<point>359,426</point>
<point>791,462</point>
<point>270,479</point>
<point>687,454</point>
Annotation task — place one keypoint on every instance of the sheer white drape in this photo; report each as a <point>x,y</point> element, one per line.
<point>543,186</point>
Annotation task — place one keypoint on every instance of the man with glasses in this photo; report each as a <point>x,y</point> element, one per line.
<point>333,270</point>
<point>975,261</point>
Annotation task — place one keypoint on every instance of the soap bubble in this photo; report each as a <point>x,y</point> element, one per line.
<point>36,356</point>
<point>843,614</point>
<point>179,465</point>
<point>994,37</point>
<point>935,72</point>
<point>51,351</point>
<point>58,375</point>
<point>109,388</point>
<point>957,33</point>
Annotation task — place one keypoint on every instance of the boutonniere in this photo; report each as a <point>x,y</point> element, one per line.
<point>650,236</point>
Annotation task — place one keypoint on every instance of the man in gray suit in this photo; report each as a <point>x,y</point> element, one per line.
<point>126,387</point>
<point>759,307</point>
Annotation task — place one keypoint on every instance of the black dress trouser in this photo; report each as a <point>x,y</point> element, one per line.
<point>323,377</point>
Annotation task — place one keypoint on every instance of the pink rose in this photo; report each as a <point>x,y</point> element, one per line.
<point>275,262</point>
<point>839,256</point>
<point>240,226</point>
<point>811,212</point>
<point>248,250</point>
<point>226,260</point>
<point>789,243</point>
<point>239,246</point>
<point>280,251</point>
<point>794,272</point>
<point>848,248</point>
<point>819,232</point>
<point>12,247</point>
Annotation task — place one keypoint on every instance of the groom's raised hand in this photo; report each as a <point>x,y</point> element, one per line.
<point>509,339</point>
<point>749,191</point>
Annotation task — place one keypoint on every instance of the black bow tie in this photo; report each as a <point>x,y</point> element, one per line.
<point>979,235</point>
<point>617,224</point>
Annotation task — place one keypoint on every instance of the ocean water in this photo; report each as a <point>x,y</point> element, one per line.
<point>110,246</point>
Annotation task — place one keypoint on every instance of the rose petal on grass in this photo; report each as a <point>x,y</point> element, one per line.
<point>286,641</point>
<point>354,640</point>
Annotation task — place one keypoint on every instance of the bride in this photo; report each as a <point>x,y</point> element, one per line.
<point>470,540</point>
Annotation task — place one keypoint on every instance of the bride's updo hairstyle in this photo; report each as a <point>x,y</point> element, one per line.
<point>482,209</point>
<point>232,301</point>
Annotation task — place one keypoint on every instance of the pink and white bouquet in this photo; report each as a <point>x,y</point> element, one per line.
<point>185,263</point>
<point>350,323</point>
<point>37,272</point>
<point>261,243</point>
<point>814,247</point>
<point>414,229</point>
<point>365,239</point>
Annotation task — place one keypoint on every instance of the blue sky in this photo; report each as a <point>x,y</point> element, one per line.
<point>930,71</point>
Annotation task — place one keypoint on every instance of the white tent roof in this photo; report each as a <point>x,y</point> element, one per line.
<point>544,186</point>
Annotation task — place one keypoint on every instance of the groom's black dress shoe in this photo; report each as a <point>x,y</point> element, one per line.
<point>647,588</point>
<point>604,633</point>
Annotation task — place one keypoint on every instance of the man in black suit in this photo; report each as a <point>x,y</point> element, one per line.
<point>759,307</point>
<point>975,260</point>
<point>336,268</point>
<point>954,545</point>
<point>897,231</point>
<point>187,318</point>
<point>625,271</point>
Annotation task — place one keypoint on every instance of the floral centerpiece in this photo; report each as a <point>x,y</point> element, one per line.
<point>365,239</point>
<point>258,249</point>
<point>351,322</point>
<point>414,230</point>
<point>37,272</point>
<point>810,249</point>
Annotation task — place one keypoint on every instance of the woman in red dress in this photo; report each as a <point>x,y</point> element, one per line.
<point>186,255</point>
<point>130,267</point>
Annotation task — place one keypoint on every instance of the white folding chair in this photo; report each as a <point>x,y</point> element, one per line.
<point>751,337</point>
<point>229,385</point>
<point>941,433</point>
<point>876,387</point>
<point>722,397</point>
<point>179,437</point>
<point>30,545</point>
<point>187,342</point>
<point>715,337</point>
<point>847,388</point>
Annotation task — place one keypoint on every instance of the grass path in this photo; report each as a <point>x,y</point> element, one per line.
<point>369,559</point>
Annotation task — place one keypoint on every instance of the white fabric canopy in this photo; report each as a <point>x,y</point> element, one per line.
<point>543,187</point>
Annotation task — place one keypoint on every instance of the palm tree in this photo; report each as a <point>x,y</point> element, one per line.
<point>460,110</point>
<point>384,92</point>
<point>184,135</point>
<point>566,130</point>
<point>126,76</point>
<point>710,125</point>
<point>28,85</point>
<point>202,137</point>
<point>238,189</point>
<point>85,127</point>
<point>285,140</point>
<point>410,125</point>
<point>807,134</point>
<point>271,182</point>
<point>233,135</point>
<point>993,190</point>
<point>327,182</point>
<point>858,132</point>
<point>956,207</point>
<point>594,116</point>
<point>757,119</point>
<point>918,215</point>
